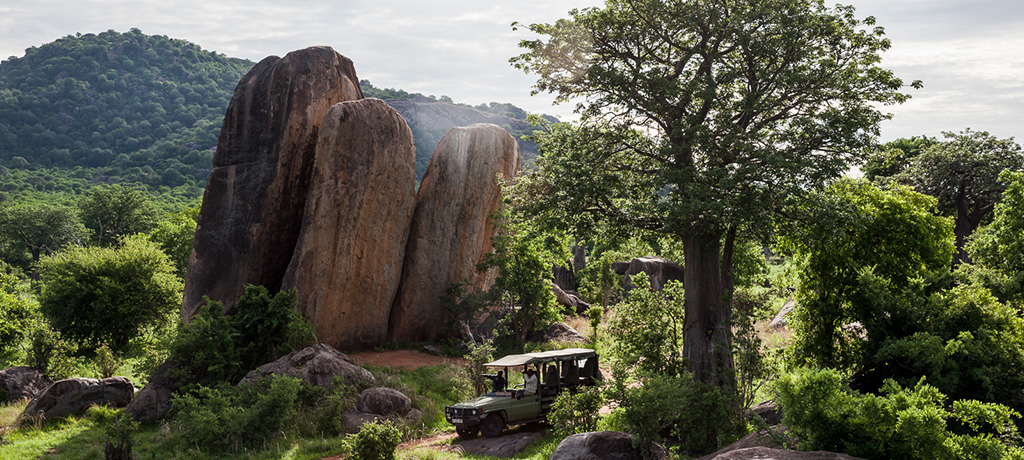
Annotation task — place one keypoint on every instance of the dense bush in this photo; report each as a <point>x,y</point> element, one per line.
<point>226,418</point>
<point>376,441</point>
<point>697,417</point>
<point>109,295</point>
<point>215,348</point>
<point>900,422</point>
<point>16,317</point>
<point>577,412</point>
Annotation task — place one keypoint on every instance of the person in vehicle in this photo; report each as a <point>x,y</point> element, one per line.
<point>498,381</point>
<point>530,382</point>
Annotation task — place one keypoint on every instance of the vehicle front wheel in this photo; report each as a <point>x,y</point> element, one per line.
<point>492,426</point>
<point>467,432</point>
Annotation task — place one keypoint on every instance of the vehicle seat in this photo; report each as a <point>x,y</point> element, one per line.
<point>589,371</point>
<point>551,381</point>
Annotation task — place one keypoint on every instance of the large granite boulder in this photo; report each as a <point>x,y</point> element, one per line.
<point>256,195</point>
<point>348,258</point>
<point>569,299</point>
<point>603,445</point>
<point>659,270</point>
<point>65,397</point>
<point>154,399</point>
<point>505,446</point>
<point>317,365</point>
<point>383,401</point>
<point>21,382</point>
<point>451,228</point>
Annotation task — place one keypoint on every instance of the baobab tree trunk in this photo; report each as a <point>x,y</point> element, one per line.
<point>706,341</point>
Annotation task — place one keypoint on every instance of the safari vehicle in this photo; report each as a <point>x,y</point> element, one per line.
<point>558,371</point>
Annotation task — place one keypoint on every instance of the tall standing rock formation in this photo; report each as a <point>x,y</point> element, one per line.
<point>451,229</point>
<point>254,202</point>
<point>348,258</point>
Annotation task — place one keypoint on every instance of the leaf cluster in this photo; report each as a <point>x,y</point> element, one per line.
<point>900,422</point>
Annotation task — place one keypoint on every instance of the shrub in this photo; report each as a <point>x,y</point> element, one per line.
<point>821,410</point>
<point>51,353</point>
<point>105,361</point>
<point>226,418</point>
<point>215,348</point>
<point>376,441</point>
<point>16,316</point>
<point>698,417</point>
<point>113,295</point>
<point>574,413</point>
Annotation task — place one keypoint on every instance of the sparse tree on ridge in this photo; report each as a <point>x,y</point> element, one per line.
<point>698,120</point>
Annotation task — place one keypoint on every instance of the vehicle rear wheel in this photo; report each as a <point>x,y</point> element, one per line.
<point>467,432</point>
<point>492,426</point>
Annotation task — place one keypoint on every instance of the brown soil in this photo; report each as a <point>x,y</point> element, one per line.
<point>403,359</point>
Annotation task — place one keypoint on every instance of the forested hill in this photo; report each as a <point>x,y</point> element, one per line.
<point>144,108</point>
<point>147,110</point>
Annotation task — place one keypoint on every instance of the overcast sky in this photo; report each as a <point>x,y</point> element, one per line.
<point>969,54</point>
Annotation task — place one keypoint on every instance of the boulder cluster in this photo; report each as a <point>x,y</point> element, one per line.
<point>313,187</point>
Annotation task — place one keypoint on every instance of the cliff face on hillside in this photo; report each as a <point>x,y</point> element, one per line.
<point>430,121</point>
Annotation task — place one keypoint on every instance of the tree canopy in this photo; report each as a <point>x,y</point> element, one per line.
<point>700,120</point>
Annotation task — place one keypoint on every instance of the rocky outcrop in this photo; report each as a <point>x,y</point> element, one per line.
<point>659,270</point>
<point>154,399</point>
<point>65,397</point>
<point>569,299</point>
<point>559,332</point>
<point>381,404</point>
<point>505,446</point>
<point>603,445</point>
<point>317,365</point>
<point>22,382</point>
<point>780,321</point>
<point>348,258</point>
<point>451,229</point>
<point>256,195</point>
<point>383,401</point>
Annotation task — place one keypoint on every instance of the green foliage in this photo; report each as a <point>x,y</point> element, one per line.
<point>51,353</point>
<point>40,227</point>
<point>175,235</point>
<point>646,350</point>
<point>693,127</point>
<point>893,157</point>
<point>105,361</point>
<point>522,289</point>
<point>269,326</point>
<point>901,422</point>
<point>225,418</point>
<point>118,445</point>
<point>577,412</point>
<point>214,348</point>
<point>996,248</point>
<point>204,351</point>
<point>113,212</point>
<point>17,315</point>
<point>109,295</point>
<point>476,358</point>
<point>117,101</point>
<point>963,174</point>
<point>868,257</point>
<point>376,441</point>
<point>698,417</point>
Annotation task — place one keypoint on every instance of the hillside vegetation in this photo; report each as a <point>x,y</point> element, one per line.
<point>130,108</point>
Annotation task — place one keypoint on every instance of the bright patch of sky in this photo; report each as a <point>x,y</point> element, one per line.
<point>968,53</point>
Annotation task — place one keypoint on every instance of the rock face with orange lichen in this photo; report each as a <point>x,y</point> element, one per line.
<point>352,244</point>
<point>256,195</point>
<point>313,188</point>
<point>452,229</point>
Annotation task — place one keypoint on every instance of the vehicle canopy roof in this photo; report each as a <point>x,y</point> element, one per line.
<point>542,357</point>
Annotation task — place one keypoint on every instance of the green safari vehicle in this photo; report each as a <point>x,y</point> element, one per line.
<point>557,370</point>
